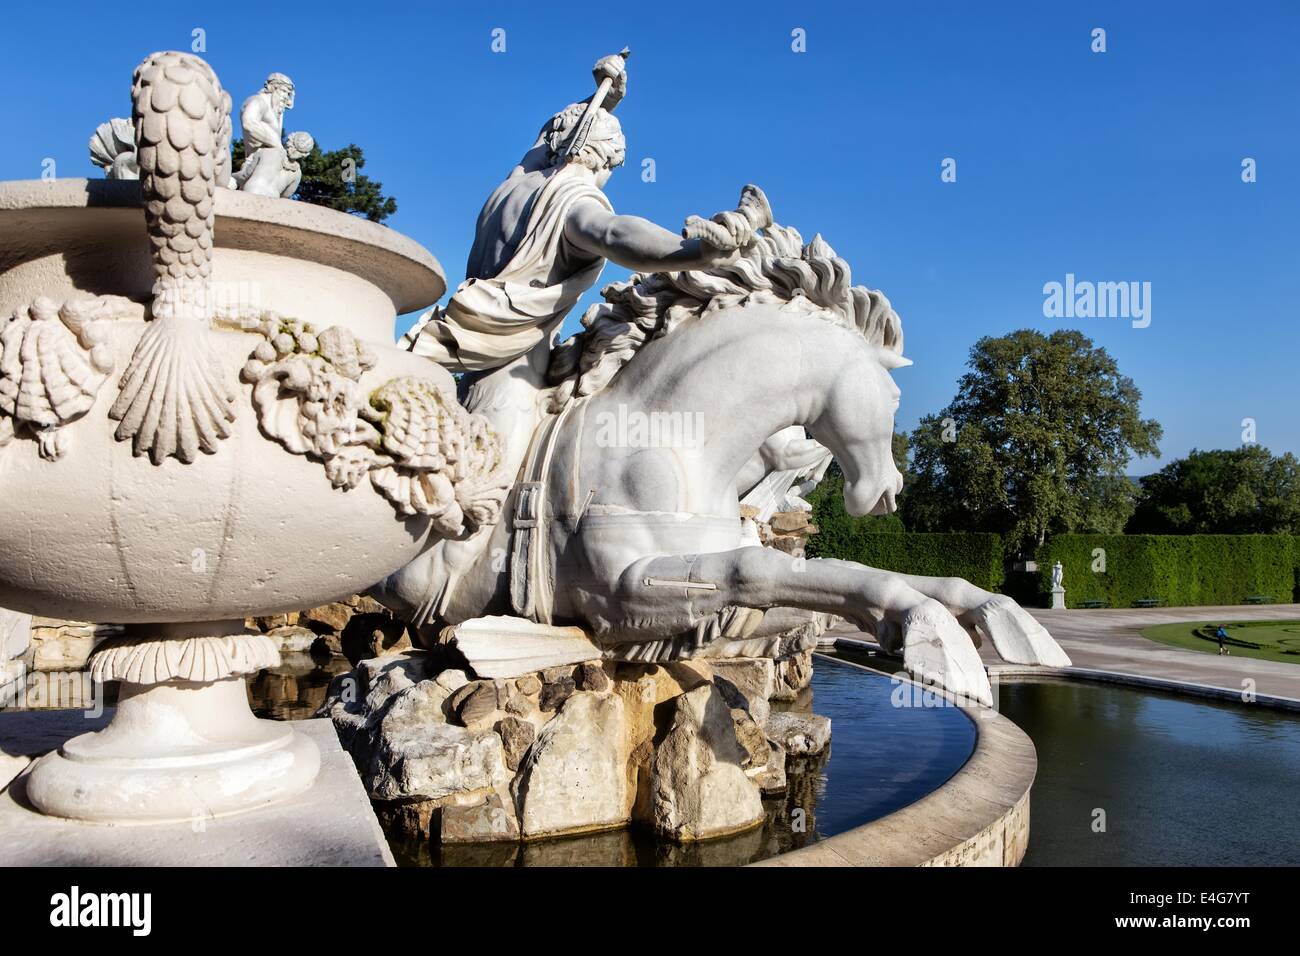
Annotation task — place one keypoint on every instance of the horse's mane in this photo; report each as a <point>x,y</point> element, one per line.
<point>777,268</point>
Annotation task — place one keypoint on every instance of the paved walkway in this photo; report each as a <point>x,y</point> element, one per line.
<point>1110,639</point>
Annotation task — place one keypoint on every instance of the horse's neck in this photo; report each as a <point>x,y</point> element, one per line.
<point>749,371</point>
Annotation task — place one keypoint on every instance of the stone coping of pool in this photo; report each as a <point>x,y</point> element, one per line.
<point>331,824</point>
<point>979,817</point>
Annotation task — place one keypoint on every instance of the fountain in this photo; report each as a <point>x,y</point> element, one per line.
<point>206,419</point>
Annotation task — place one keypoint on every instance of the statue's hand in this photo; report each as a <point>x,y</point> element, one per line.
<point>613,68</point>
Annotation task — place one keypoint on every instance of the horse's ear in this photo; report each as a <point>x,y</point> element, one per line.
<point>892,360</point>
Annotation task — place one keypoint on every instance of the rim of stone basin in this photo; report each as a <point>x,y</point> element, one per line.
<point>979,817</point>
<point>407,272</point>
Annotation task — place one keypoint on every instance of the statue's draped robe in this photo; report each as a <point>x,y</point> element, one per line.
<point>491,322</point>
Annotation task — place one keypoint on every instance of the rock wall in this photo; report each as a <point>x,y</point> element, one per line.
<point>687,748</point>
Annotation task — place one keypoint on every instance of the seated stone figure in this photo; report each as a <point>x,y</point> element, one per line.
<point>275,172</point>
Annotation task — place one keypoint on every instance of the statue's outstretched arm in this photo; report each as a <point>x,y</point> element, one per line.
<point>638,244</point>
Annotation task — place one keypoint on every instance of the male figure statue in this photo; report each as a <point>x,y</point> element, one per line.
<point>542,239</point>
<point>262,117</point>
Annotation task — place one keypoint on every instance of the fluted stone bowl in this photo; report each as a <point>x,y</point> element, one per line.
<point>102,534</point>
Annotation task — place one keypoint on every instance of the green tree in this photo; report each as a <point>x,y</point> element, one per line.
<point>334,179</point>
<point>1232,491</point>
<point>1036,440</point>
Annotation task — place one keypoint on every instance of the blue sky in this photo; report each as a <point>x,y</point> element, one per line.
<point>1115,166</point>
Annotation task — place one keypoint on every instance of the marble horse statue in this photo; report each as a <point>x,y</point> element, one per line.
<point>633,441</point>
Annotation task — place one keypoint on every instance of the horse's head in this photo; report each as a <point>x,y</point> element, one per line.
<point>857,425</point>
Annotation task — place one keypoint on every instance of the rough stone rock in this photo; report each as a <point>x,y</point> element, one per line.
<point>753,677</point>
<point>517,735</point>
<point>328,645</point>
<point>556,692</point>
<point>369,635</point>
<point>591,675</point>
<point>451,680</point>
<point>529,685</point>
<point>519,705</point>
<point>574,776</point>
<point>644,688</point>
<point>478,701</point>
<point>800,734</point>
<point>793,675</point>
<point>354,699</point>
<point>771,778</point>
<point>290,638</point>
<point>413,754</point>
<point>698,786</point>
<point>415,820</point>
<point>490,821</point>
<point>270,622</point>
<point>58,645</point>
<point>550,675</point>
<point>788,522</point>
<point>328,618</point>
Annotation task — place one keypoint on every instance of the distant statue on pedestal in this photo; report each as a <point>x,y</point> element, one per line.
<point>1058,592</point>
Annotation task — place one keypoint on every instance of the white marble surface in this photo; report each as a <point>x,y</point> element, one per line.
<point>330,824</point>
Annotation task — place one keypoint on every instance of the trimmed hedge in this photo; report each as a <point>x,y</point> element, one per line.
<point>976,557</point>
<point>1176,569</point>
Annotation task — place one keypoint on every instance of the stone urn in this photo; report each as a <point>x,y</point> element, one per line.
<point>203,417</point>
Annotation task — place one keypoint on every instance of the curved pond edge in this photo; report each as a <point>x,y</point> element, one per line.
<point>979,817</point>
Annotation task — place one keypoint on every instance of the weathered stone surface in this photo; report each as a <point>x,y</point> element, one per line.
<point>519,705</point>
<point>792,675</point>
<point>290,638</point>
<point>529,684</point>
<point>800,734</point>
<point>328,618</point>
<point>753,677</point>
<point>788,522</point>
<point>574,776</point>
<point>590,675</point>
<point>413,754</point>
<point>517,735</point>
<point>556,693</point>
<point>490,821</point>
<point>698,786</point>
<point>330,645</point>
<point>369,635</point>
<point>477,702</point>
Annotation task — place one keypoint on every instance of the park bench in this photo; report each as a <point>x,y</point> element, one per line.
<point>1259,599</point>
<point>1092,604</point>
<point>1147,602</point>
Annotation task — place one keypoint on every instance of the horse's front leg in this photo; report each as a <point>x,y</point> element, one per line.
<point>1015,635</point>
<point>933,645</point>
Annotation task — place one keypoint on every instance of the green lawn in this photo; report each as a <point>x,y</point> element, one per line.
<point>1268,640</point>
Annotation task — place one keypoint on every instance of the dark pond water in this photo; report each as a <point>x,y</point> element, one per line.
<point>1182,782</point>
<point>881,758</point>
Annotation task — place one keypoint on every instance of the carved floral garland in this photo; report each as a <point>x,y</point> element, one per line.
<point>422,451</point>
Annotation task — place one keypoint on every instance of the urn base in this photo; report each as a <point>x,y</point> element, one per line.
<point>175,751</point>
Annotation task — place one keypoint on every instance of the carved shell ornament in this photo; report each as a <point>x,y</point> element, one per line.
<point>53,359</point>
<point>421,450</point>
<point>176,400</point>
